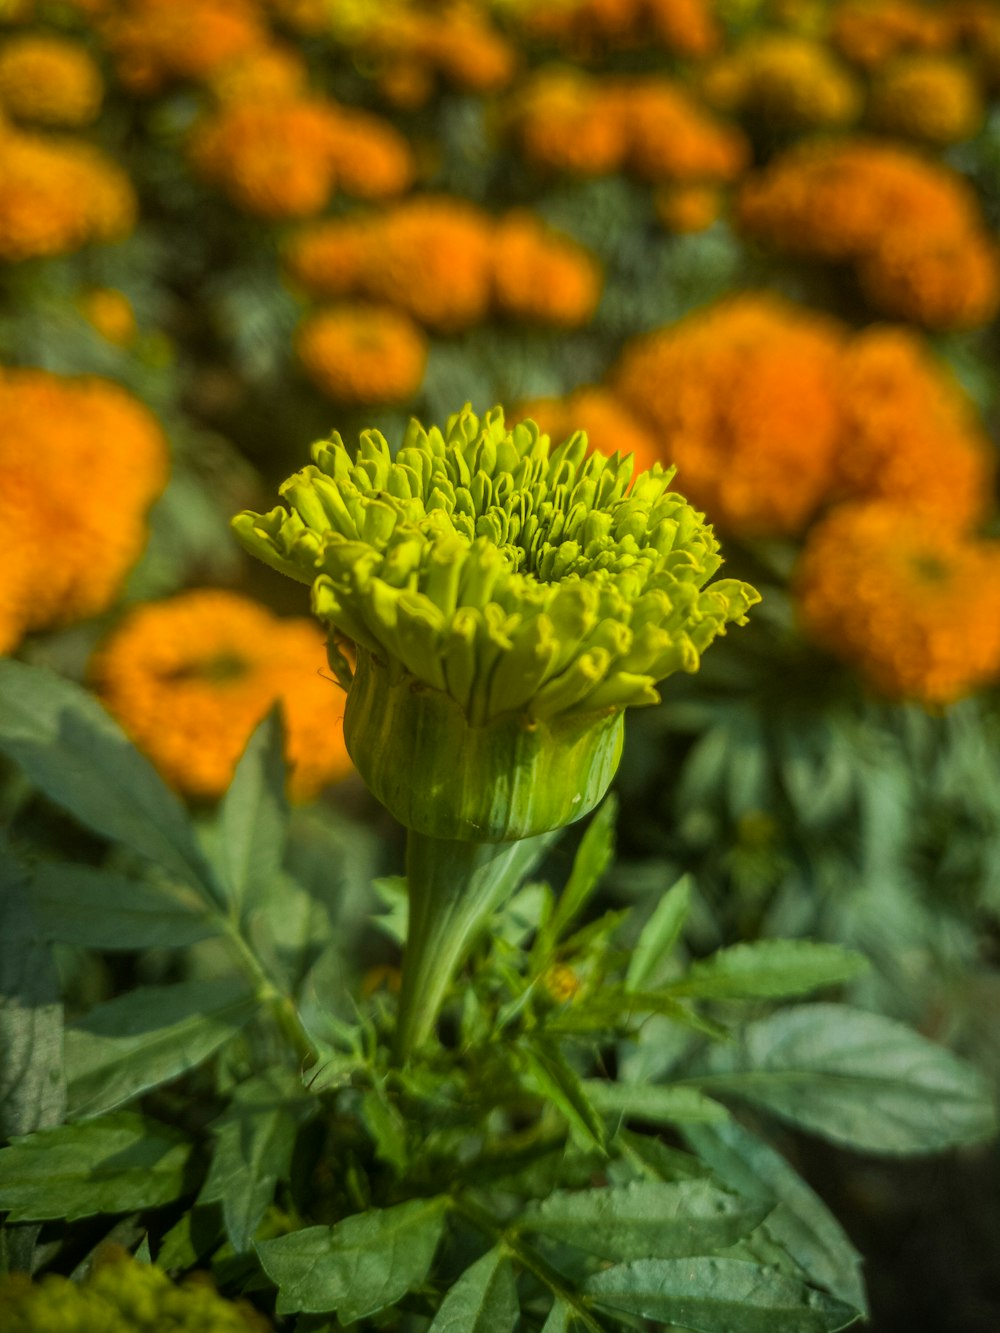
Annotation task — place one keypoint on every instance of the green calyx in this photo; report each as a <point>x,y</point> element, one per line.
<point>514,578</point>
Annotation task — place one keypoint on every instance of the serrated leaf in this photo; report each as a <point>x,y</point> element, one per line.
<point>855,1078</point>
<point>660,933</point>
<point>646,1219</point>
<point>99,909</point>
<point>73,751</point>
<point>717,1296</point>
<point>593,856</point>
<point>659,1104</point>
<point>359,1266</point>
<point>32,1084</point>
<point>549,1075</point>
<point>253,818</point>
<point>116,1164</point>
<point>769,969</point>
<point>254,1140</point>
<point>149,1036</point>
<point>800,1221</point>
<point>483,1300</point>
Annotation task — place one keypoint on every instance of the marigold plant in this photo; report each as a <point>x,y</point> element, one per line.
<point>743,398</point>
<point>265,73</point>
<point>588,27</point>
<point>934,99</point>
<point>189,678</point>
<point>565,121</point>
<point>155,42</point>
<point>542,276</point>
<point>110,312</point>
<point>869,32</point>
<point>81,461</point>
<point>49,81</point>
<point>689,208</point>
<point>914,606</point>
<point>784,80</point>
<point>949,281</point>
<point>362,353</point>
<point>671,137</point>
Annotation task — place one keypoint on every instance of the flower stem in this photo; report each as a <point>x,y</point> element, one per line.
<point>453,889</point>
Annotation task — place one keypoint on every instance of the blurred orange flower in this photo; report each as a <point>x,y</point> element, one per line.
<point>190,678</point>
<point>784,80</point>
<point>915,607</point>
<point>49,81</point>
<point>589,27</point>
<point>81,461</point>
<point>869,32</point>
<point>362,354</point>
<point>411,51</point>
<point>688,208</point>
<point>931,98</point>
<point>110,312</point>
<point>265,73</point>
<point>543,276</point>
<point>154,42</point>
<point>609,423</point>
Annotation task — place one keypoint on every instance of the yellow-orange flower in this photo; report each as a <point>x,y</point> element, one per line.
<point>869,32</point>
<point>191,677</point>
<point>784,80</point>
<point>411,51</point>
<point>81,461</point>
<point>111,314</point>
<point>49,81</point>
<point>609,423</point>
<point>688,208</point>
<point>363,354</point>
<point>541,275</point>
<point>589,27</point>
<point>670,137</point>
<point>266,73</point>
<point>564,121</point>
<point>932,98</point>
<point>743,398</point>
<point>59,195</point>
<point>914,606</point>
<point>154,42</point>
<point>331,258</point>
<point>943,281</point>
<point>371,159</point>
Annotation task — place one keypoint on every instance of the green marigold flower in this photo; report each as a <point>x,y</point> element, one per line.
<point>507,601</point>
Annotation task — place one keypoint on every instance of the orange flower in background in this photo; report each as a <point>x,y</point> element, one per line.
<point>371,160</point>
<point>110,313</point>
<point>949,281</point>
<point>155,42</point>
<point>670,137</point>
<point>786,81</point>
<point>609,423</point>
<point>190,678</point>
<point>589,27</point>
<point>49,81</point>
<point>688,208</point>
<point>932,98</point>
<point>266,73</point>
<point>909,434</point>
<point>869,32</point>
<point>543,276</point>
<point>58,195</point>
<point>81,461</point>
<point>412,50</point>
<point>743,398</point>
<point>566,122</point>
<point>363,354</point>
<point>331,258</point>
<point>913,605</point>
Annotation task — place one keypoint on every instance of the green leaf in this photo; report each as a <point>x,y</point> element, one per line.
<point>387,1127</point>
<point>660,933</point>
<point>646,1219</point>
<point>72,750</point>
<point>800,1221</point>
<point>254,1140</point>
<point>593,856</point>
<point>253,819</point>
<point>855,1078</point>
<point>99,909</point>
<point>483,1300</point>
<point>551,1077</point>
<point>717,1296</point>
<point>769,969</point>
<point>115,1164</point>
<point>149,1036</point>
<point>359,1266</point>
<point>659,1104</point>
<point>32,1085</point>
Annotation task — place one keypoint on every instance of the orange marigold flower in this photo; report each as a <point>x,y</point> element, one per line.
<point>785,81</point>
<point>670,137</point>
<point>590,27</point>
<point>411,50</point>
<point>543,276</point>
<point>939,281</point>
<point>49,81</point>
<point>371,159</point>
<point>332,258</point>
<point>81,461</point>
<point>743,398</point>
<point>869,32</point>
<point>191,677</point>
<point>268,73</point>
<point>58,196</point>
<point>565,121</point>
<point>931,98</point>
<point>914,606</point>
<point>111,314</point>
<point>608,421</point>
<point>155,42</point>
<point>688,208</point>
<point>906,420</point>
<point>363,354</point>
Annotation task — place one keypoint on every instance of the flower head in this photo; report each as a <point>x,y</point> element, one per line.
<point>542,276</point>
<point>152,44</point>
<point>510,595</point>
<point>362,354</point>
<point>189,679</point>
<point>784,80</point>
<point>49,81</point>
<point>932,98</point>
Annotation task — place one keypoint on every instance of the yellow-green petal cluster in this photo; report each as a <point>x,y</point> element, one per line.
<point>511,576</point>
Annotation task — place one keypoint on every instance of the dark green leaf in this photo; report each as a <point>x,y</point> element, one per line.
<point>769,969</point>
<point>856,1078</point>
<point>32,1085</point>
<point>646,1219</point>
<point>359,1266</point>
<point>70,748</point>
<point>660,933</point>
<point>115,1164</point>
<point>254,1141</point>
<point>387,1127</point>
<point>658,1104</point>
<point>102,910</point>
<point>717,1296</point>
<point>253,819</point>
<point>800,1222</point>
<point>483,1300</point>
<point>593,857</point>
<point>550,1076</point>
<point>149,1036</point>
